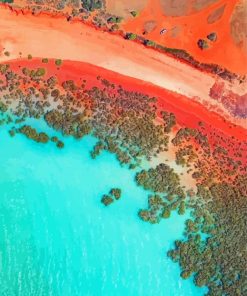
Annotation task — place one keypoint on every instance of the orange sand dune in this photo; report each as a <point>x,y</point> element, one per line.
<point>184,32</point>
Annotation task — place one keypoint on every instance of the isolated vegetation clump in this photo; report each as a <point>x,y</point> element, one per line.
<point>107,200</point>
<point>131,36</point>
<point>58,62</point>
<point>134,13</point>
<point>212,36</point>
<point>202,44</point>
<point>114,194</point>
<point>60,144</point>
<point>149,43</point>
<point>32,134</point>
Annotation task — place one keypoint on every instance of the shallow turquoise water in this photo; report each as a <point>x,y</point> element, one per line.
<point>58,239</point>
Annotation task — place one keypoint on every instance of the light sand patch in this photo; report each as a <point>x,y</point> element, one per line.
<point>216,15</point>
<point>124,7</point>
<point>175,7</point>
<point>239,24</point>
<point>169,157</point>
<point>193,28</point>
<point>174,32</point>
<point>149,26</point>
<point>199,5</point>
<point>184,7</point>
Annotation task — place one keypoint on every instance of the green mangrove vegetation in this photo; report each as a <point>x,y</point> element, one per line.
<point>114,194</point>
<point>92,5</point>
<point>213,250</point>
<point>169,121</point>
<point>219,261</point>
<point>32,134</point>
<point>107,200</point>
<point>167,195</point>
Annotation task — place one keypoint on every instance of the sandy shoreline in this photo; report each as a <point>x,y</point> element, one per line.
<point>51,37</point>
<point>188,112</point>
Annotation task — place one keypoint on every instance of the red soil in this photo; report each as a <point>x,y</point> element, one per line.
<point>188,112</point>
<point>190,29</point>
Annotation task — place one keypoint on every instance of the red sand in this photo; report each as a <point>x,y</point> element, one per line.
<point>51,36</point>
<point>223,52</point>
<point>188,113</point>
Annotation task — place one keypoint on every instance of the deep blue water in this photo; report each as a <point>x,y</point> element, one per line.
<point>58,239</point>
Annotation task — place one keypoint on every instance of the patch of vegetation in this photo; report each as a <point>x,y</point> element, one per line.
<point>213,249</point>
<point>107,200</point>
<point>114,20</point>
<point>219,261</point>
<point>12,132</point>
<point>3,107</point>
<point>98,147</point>
<point>7,1</point>
<point>4,68</point>
<point>70,124</point>
<point>32,134</point>
<point>114,194</point>
<point>58,62</point>
<point>149,43</point>
<point>169,121</point>
<point>34,73</point>
<point>131,36</point>
<point>92,5</point>
<point>202,44</point>
<point>60,144</point>
<point>167,193</point>
<point>212,36</point>
<point>186,155</point>
<point>134,13</point>
<point>40,72</point>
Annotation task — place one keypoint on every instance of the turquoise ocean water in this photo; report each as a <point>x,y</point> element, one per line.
<point>57,239</point>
